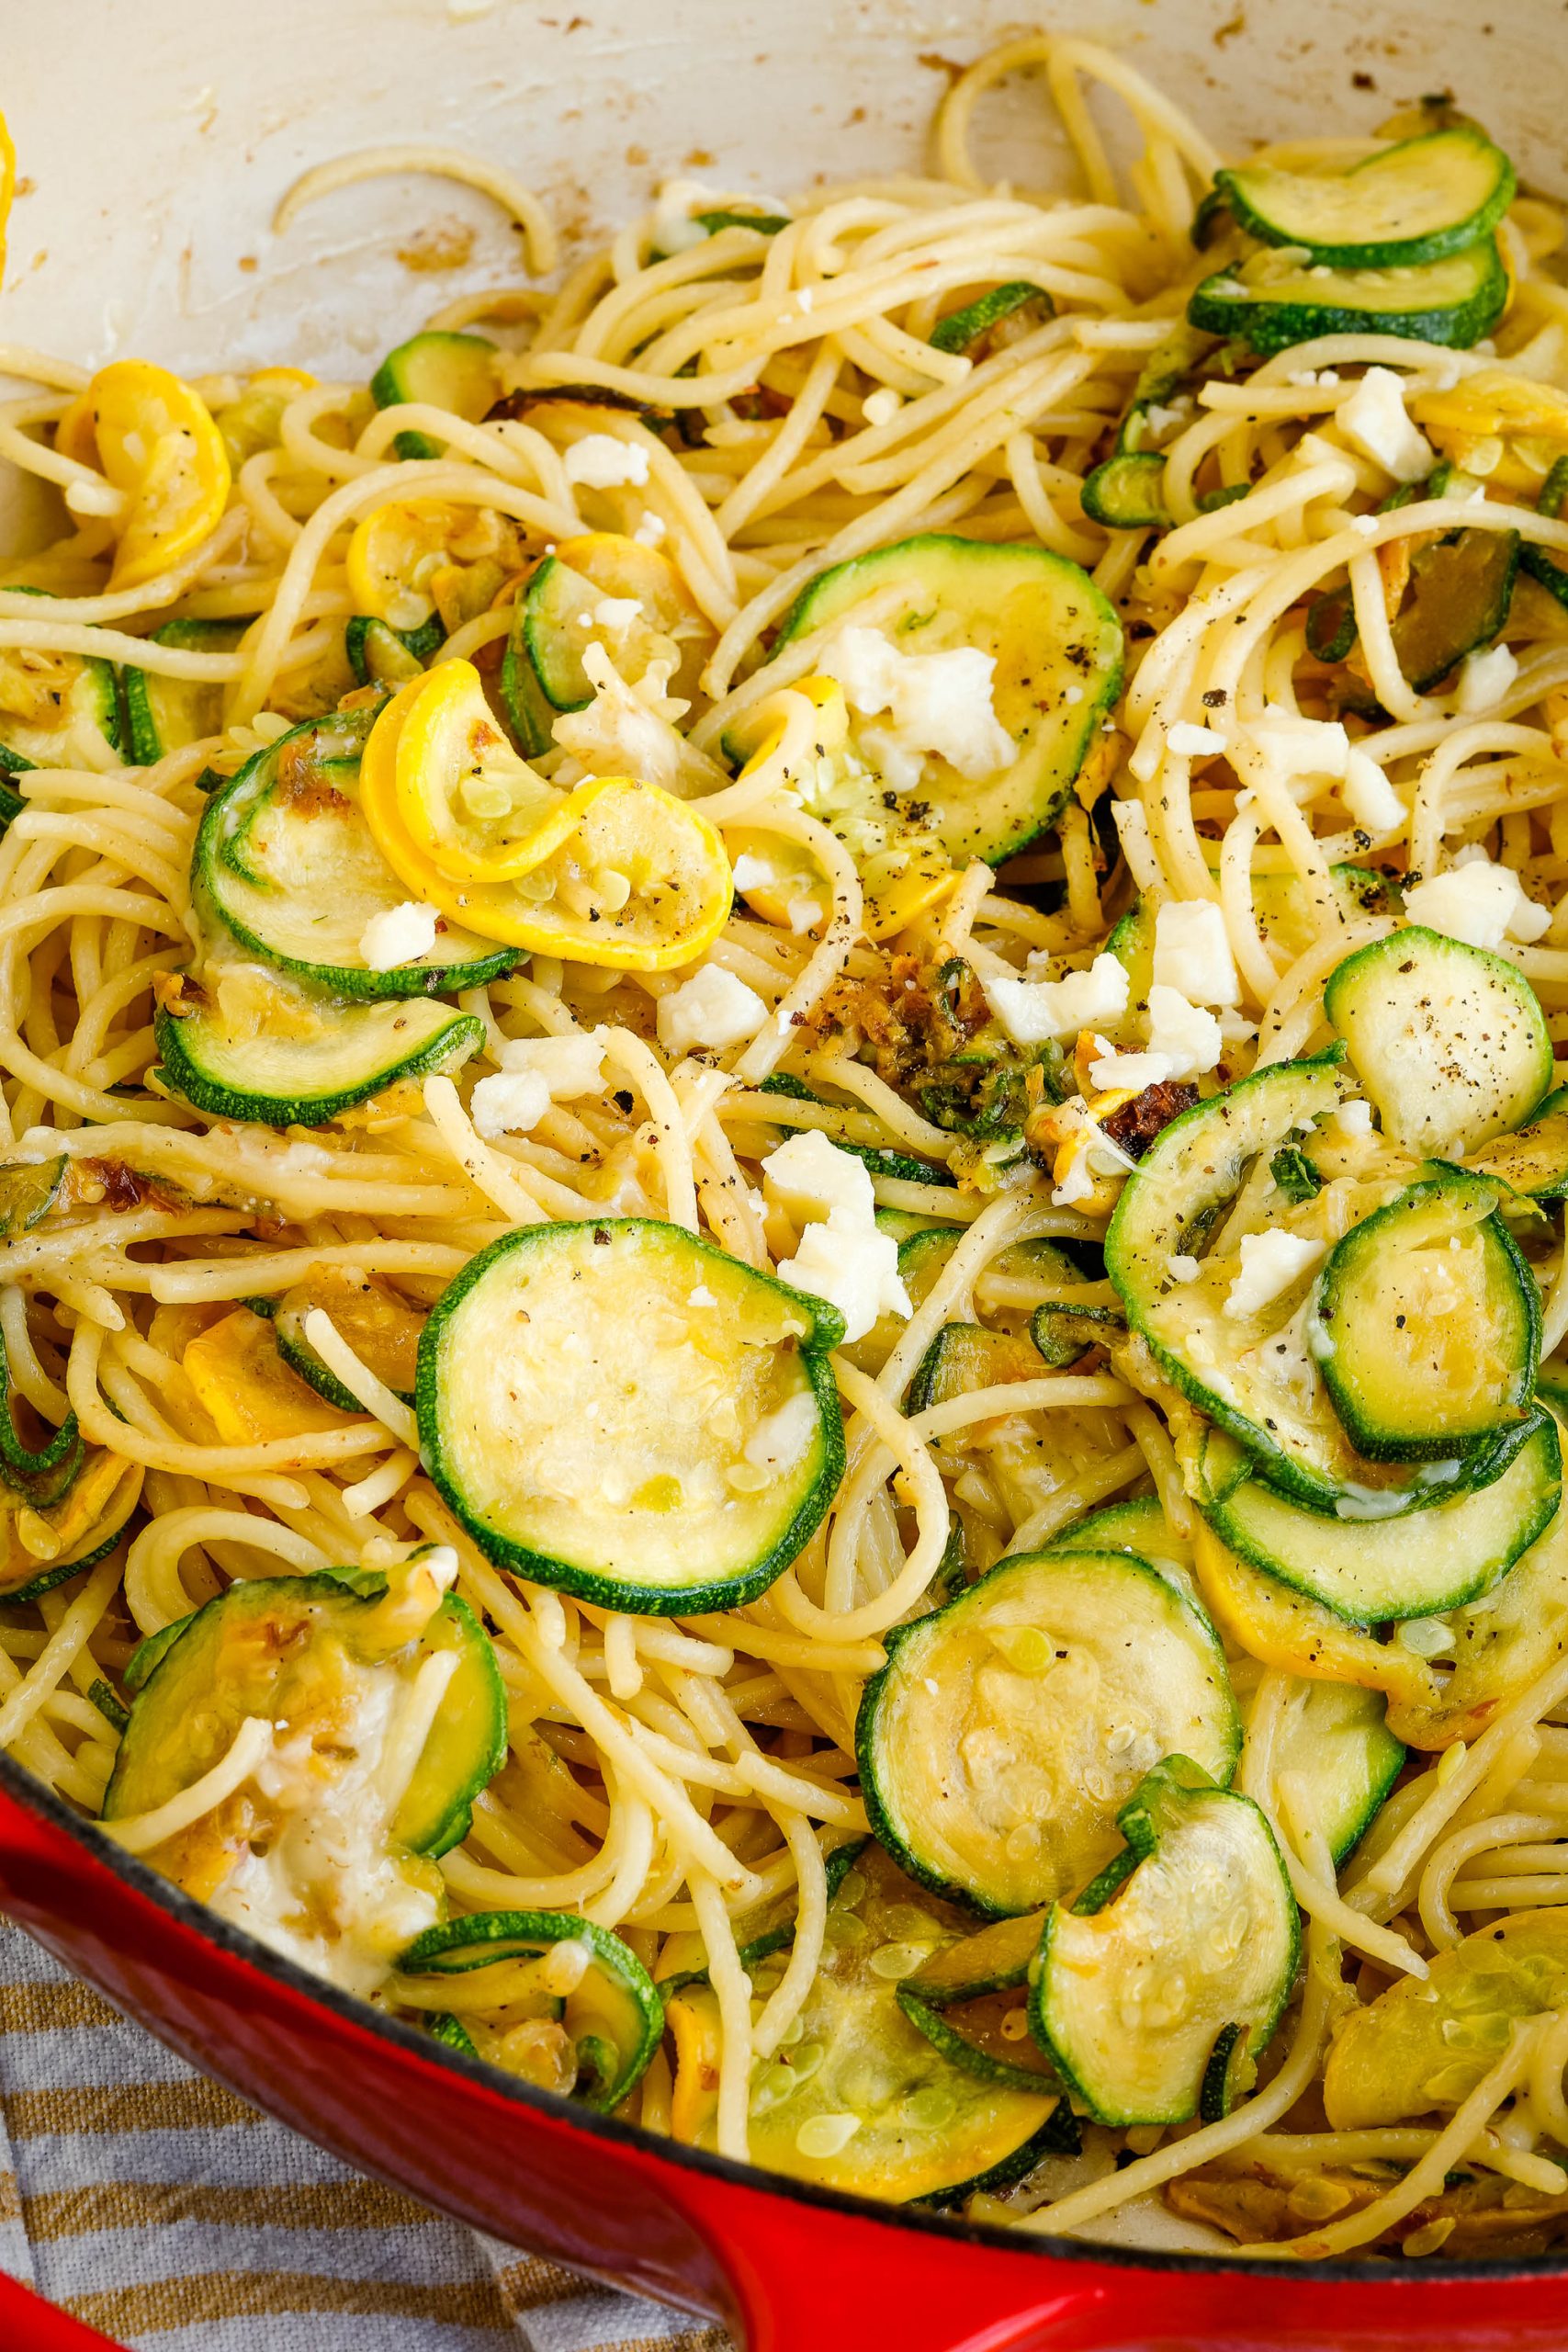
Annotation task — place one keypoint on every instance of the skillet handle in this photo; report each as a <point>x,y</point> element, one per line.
<point>27,2325</point>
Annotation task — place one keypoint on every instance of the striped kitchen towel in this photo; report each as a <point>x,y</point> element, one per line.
<point>160,2209</point>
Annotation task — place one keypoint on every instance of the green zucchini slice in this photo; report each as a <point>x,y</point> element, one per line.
<point>1541,563</point>
<point>1423,2045</point>
<point>76,723</point>
<point>1443,1542</point>
<point>1460,595</point>
<point>324,1856</point>
<point>381,1328</point>
<point>285,864</point>
<point>443,370</point>
<point>162,715</point>
<point>1335,1737</point>
<point>556,621</point>
<point>380,655</point>
<point>28,1190</point>
<point>259,1046</point>
<point>967,1356</point>
<point>1419,201</point>
<point>1127,490</point>
<point>44,1473</point>
<point>624,1411</point>
<point>969,2001</point>
<point>997,1741</point>
<point>84,1524</point>
<point>1018,306</point>
<point>1426,1323</point>
<point>543,1993</point>
<point>1247,1374</point>
<point>1450,1041</point>
<point>1191,1930</point>
<point>1052,635</point>
<point>1139,1526</point>
<point>1277,300</point>
<point>860,2100</point>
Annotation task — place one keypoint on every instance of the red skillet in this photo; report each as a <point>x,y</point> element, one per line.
<point>791,2269</point>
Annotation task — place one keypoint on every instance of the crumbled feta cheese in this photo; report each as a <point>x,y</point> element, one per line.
<point>1189,743</point>
<point>701,1296</point>
<point>511,1103</point>
<point>882,406</point>
<point>1374,421</point>
<point>569,1065</point>
<point>1366,524</point>
<point>751,872</point>
<point>1192,952</point>
<point>842,1257</point>
<point>1183,1269</point>
<point>713,1008</point>
<point>1271,1262</point>
<point>1132,1072</point>
<point>1186,1038</point>
<point>650,531</point>
<point>1084,1153</point>
<point>1352,1118</point>
<point>599,461</point>
<point>1370,797</point>
<point>1479,902</point>
<point>1294,746</point>
<point>617,612</point>
<point>807,1176</point>
<point>1484,678</point>
<point>781,1436</point>
<point>1033,1011</point>
<point>936,702</point>
<point>398,934</point>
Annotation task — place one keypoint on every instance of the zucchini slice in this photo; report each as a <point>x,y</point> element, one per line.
<point>1052,635</point>
<point>969,2002</point>
<point>380,655</point>
<point>1257,1384</point>
<point>325,1860</point>
<point>1139,1526</point>
<point>1448,1041</point>
<point>1419,201</point>
<point>967,1356</point>
<point>84,1526</point>
<point>74,720</point>
<point>1426,1323</point>
<point>1283,1627</point>
<point>1190,1931</point>
<point>621,1409</point>
<point>259,1046</point>
<point>1018,306</point>
<point>1336,1737</point>
<point>1005,1728</point>
<point>381,1328</point>
<point>1277,300</point>
<point>862,2101</point>
<point>1543,563</point>
<point>1127,490</point>
<point>1459,597</point>
<point>28,1190</point>
<point>442,370</point>
<point>43,1474</point>
<point>285,864</point>
<point>1442,1546</point>
<point>1423,2045</point>
<point>162,715</point>
<point>543,1993</point>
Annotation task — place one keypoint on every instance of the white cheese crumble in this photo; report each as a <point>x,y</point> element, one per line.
<point>570,1066</point>
<point>1370,797</point>
<point>1183,1269</point>
<point>617,612</point>
<point>1186,1038</point>
<point>1484,678</point>
<point>1374,421</point>
<point>1189,743</point>
<point>1295,746</point>
<point>1479,902</point>
<point>1033,1011</point>
<point>398,934</point>
<point>601,462</point>
<point>1271,1262</point>
<point>713,1008</point>
<point>937,702</point>
<point>1085,1154</point>
<point>1352,1118</point>
<point>1132,1072</point>
<point>650,531</point>
<point>842,1257</point>
<point>510,1104</point>
<point>1192,952</point>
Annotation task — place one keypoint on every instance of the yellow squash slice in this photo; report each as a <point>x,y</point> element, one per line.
<point>157,442</point>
